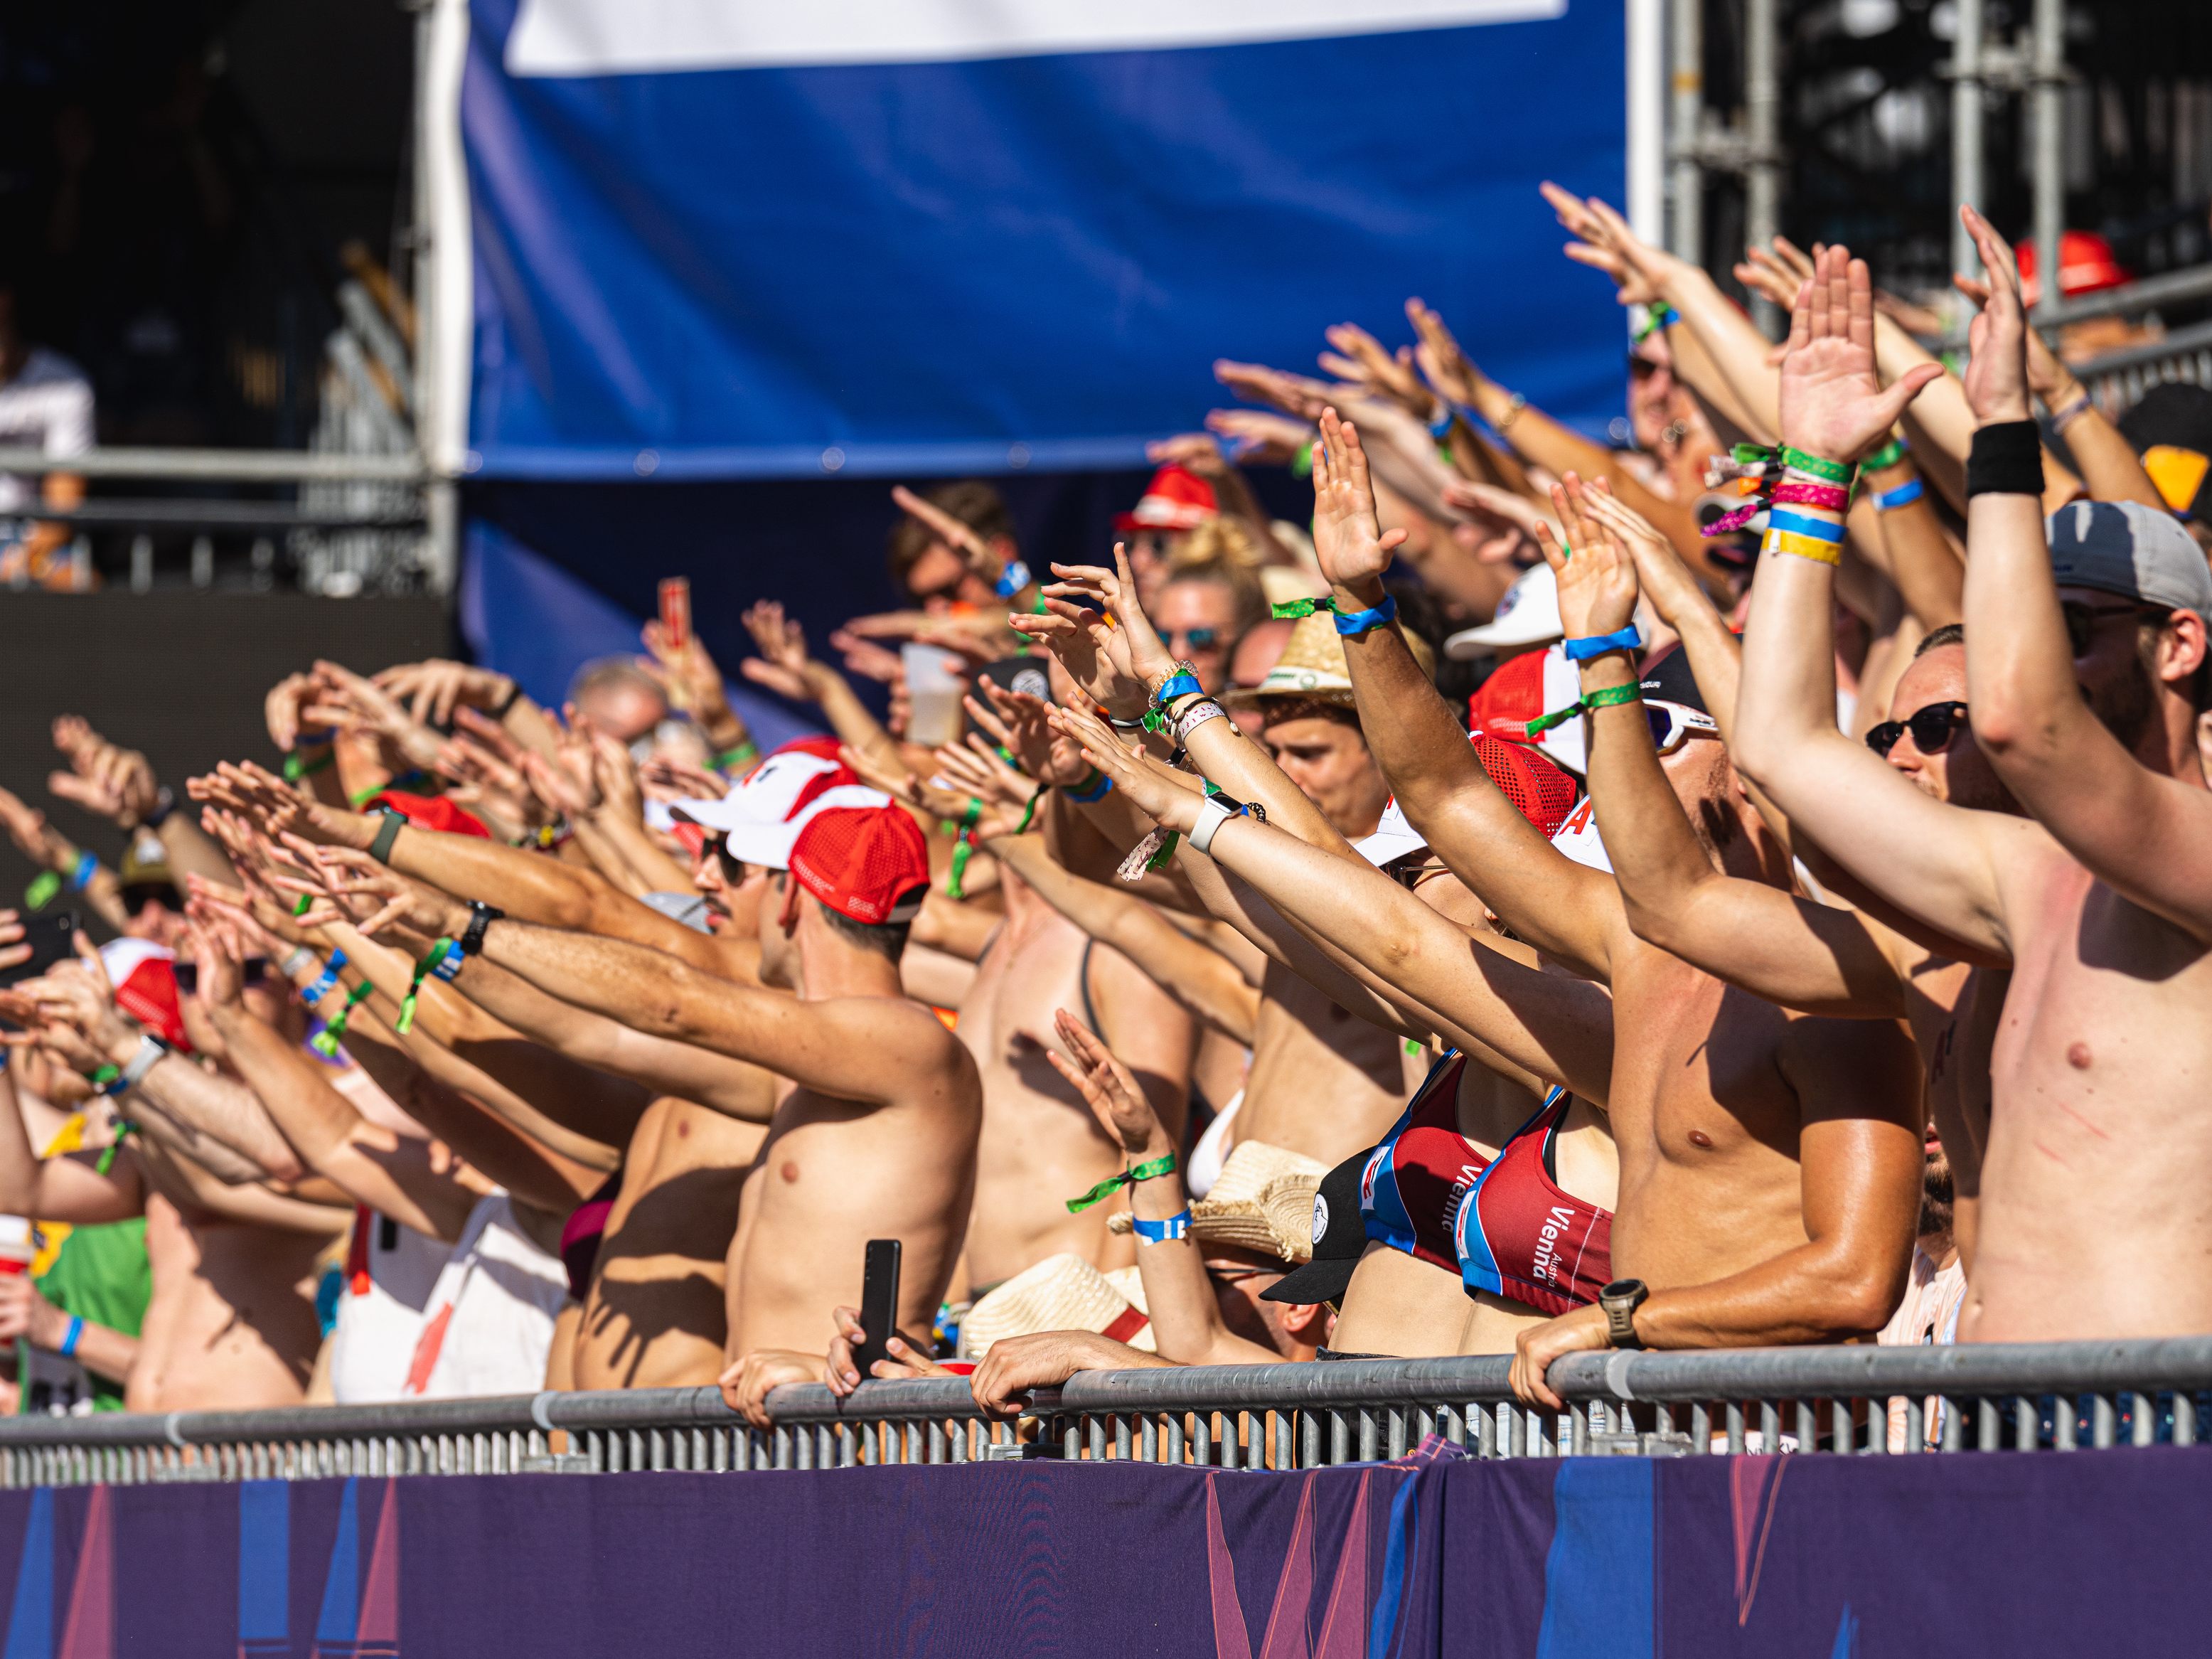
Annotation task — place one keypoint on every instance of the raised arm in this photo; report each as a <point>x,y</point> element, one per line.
<point>1557,905</point>
<point>2144,833</point>
<point>1178,1294</point>
<point>1786,949</point>
<point>70,1188</point>
<point>1937,861</point>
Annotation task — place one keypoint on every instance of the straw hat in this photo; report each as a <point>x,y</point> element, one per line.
<point>1261,1200</point>
<point>1062,1292</point>
<point>1313,665</point>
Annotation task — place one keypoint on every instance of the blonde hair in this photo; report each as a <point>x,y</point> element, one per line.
<point>1220,542</point>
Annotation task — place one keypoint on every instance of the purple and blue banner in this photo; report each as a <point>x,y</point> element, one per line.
<point>1810,1558</point>
<point>940,236</point>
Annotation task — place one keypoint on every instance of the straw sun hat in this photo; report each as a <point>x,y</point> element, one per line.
<point>1062,1292</point>
<point>1313,665</point>
<point>1262,1201</point>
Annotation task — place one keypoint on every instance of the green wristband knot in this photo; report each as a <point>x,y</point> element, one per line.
<point>1128,1178</point>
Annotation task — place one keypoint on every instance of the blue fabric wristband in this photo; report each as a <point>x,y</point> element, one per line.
<point>1159,1232</point>
<point>67,1349</point>
<point>324,983</point>
<point>1596,644</point>
<point>1014,578</point>
<point>1904,495</point>
<point>1440,428</point>
<point>1176,685</point>
<point>1360,621</point>
<point>88,866</point>
<point>1821,530</point>
<point>1096,793</point>
<point>449,965</point>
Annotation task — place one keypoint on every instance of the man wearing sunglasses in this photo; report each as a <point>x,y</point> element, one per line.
<point>1200,615</point>
<point>2085,644</point>
<point>1770,1166</point>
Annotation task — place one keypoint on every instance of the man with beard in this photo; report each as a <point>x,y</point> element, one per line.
<point>2086,661</point>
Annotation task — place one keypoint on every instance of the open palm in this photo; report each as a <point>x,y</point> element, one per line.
<point>1833,402</point>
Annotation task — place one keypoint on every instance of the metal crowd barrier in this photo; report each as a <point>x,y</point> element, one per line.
<point>1993,1397</point>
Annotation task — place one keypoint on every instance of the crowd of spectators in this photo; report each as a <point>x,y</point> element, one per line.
<point>1796,937</point>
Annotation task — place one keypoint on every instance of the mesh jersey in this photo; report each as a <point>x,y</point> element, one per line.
<point>1504,1223</point>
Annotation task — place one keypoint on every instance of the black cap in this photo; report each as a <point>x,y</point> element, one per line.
<point>2170,427</point>
<point>1339,1239</point>
<point>1669,680</point>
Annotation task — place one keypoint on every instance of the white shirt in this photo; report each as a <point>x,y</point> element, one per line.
<point>378,1326</point>
<point>489,1322</point>
<point>47,407</point>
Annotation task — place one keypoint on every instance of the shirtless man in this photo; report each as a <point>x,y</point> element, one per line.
<point>2085,657</point>
<point>1040,1146</point>
<point>1324,1081</point>
<point>875,1137</point>
<point>654,1289</point>
<point>231,1320</point>
<point>1824,958</point>
<point>1770,1165</point>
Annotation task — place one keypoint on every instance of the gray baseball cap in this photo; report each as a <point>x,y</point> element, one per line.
<point>2125,546</point>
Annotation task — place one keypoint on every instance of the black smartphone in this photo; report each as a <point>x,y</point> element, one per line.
<point>52,939</point>
<point>880,1294</point>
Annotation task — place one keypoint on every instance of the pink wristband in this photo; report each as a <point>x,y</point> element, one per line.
<point>1834,498</point>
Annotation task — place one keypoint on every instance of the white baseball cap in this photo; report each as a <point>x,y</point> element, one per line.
<point>1528,614</point>
<point>761,817</point>
<point>1578,839</point>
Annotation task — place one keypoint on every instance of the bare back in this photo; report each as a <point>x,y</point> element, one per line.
<point>834,1174</point>
<point>655,1313</point>
<point>231,1323</point>
<point>2096,1211</point>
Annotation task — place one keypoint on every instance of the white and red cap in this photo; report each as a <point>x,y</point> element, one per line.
<point>1528,614</point>
<point>868,863</point>
<point>1540,792</point>
<point>1525,689</point>
<point>761,818</point>
<point>145,975</point>
<point>1578,839</point>
<point>1176,499</point>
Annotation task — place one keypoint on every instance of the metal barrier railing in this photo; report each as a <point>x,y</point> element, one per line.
<point>1855,1400</point>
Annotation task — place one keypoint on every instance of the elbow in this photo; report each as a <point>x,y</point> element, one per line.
<point>2009,729</point>
<point>1856,1298</point>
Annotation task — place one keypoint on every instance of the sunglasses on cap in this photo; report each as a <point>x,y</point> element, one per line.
<point>1932,728</point>
<point>2082,618</point>
<point>1198,639</point>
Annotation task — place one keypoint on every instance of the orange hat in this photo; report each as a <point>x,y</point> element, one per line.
<point>428,812</point>
<point>1176,499</point>
<point>869,863</point>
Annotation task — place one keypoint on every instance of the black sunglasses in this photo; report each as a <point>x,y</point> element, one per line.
<point>2082,620</point>
<point>252,972</point>
<point>1932,728</point>
<point>1198,639</point>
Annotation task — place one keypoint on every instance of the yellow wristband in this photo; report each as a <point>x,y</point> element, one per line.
<point>1804,547</point>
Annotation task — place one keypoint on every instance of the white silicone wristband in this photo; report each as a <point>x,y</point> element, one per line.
<point>1212,815</point>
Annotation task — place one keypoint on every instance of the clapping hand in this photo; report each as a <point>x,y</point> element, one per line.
<point>1996,368</point>
<point>1349,539</point>
<point>1833,402</point>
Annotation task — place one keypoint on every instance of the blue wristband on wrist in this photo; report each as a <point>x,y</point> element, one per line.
<point>88,866</point>
<point>1159,1232</point>
<point>326,981</point>
<point>67,1349</point>
<point>1796,524</point>
<point>1089,797</point>
<point>448,966</point>
<point>1014,578</point>
<point>1596,644</point>
<point>1176,685</point>
<point>1362,622</point>
<point>1440,428</point>
<point>1905,495</point>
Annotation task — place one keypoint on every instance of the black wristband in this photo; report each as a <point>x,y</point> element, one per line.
<point>481,916</point>
<point>165,802</point>
<point>514,695</point>
<point>2006,459</point>
<point>381,848</point>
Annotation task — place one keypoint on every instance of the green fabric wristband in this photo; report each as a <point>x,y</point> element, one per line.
<point>1128,1178</point>
<point>1819,466</point>
<point>1888,455</point>
<point>1605,697</point>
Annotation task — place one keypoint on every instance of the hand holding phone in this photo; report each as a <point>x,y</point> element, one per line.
<point>879,1295</point>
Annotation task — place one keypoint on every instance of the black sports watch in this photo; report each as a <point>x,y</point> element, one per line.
<point>1621,1300</point>
<point>481,916</point>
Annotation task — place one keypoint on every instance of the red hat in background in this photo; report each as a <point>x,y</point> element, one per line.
<point>428,812</point>
<point>1176,499</point>
<point>869,863</point>
<point>1503,704</point>
<point>1540,792</point>
<point>2086,265</point>
<point>145,975</point>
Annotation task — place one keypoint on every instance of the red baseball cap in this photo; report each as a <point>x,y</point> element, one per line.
<point>2086,265</point>
<point>145,975</point>
<point>869,863</point>
<point>1176,499</point>
<point>428,812</point>
<point>762,816</point>
<point>1540,792</point>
